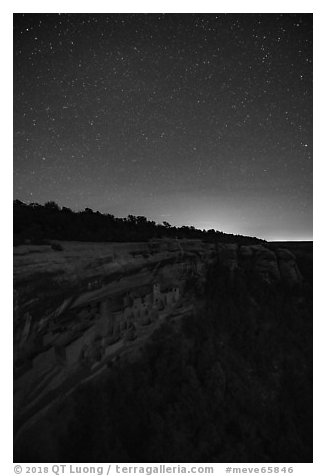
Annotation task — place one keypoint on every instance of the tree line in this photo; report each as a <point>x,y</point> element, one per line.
<point>35,223</point>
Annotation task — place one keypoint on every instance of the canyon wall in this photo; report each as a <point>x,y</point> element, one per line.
<point>78,310</point>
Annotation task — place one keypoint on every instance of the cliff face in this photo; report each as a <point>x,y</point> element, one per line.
<point>265,264</point>
<point>50,286</point>
<point>79,310</point>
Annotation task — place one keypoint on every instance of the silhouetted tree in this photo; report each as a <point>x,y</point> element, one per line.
<point>35,222</point>
<point>52,206</point>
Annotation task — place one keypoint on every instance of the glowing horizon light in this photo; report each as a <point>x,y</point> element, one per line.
<point>147,130</point>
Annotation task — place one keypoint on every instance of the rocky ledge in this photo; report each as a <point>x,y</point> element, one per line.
<point>79,309</point>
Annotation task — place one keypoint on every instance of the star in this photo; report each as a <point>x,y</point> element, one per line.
<point>205,113</point>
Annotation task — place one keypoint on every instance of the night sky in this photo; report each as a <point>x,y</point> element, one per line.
<point>194,119</point>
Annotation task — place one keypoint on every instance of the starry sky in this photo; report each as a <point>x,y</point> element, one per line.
<point>194,119</point>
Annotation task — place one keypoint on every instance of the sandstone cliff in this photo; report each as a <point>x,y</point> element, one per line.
<point>79,310</point>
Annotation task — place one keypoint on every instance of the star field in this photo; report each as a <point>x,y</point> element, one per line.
<point>197,119</point>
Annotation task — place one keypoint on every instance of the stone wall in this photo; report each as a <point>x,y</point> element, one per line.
<point>107,326</point>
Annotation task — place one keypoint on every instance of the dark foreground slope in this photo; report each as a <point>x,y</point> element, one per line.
<point>232,383</point>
